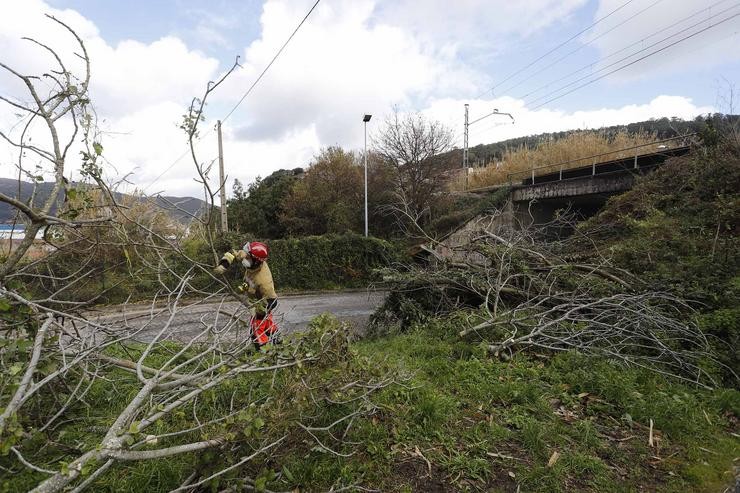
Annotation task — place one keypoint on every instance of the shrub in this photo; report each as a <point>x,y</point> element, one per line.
<point>331,261</point>
<point>319,262</point>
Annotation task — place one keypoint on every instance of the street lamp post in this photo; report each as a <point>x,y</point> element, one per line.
<point>366,119</point>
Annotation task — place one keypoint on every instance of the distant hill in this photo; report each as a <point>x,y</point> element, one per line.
<point>11,187</point>
<point>663,128</point>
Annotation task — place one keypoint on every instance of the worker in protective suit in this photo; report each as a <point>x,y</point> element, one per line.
<point>259,287</point>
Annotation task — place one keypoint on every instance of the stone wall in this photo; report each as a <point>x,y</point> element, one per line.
<point>452,247</point>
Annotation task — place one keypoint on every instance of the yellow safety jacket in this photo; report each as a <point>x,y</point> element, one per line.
<point>258,282</point>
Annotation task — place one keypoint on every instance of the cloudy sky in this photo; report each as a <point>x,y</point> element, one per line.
<point>555,65</point>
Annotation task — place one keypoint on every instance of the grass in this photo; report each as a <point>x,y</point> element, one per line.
<point>593,413</point>
<point>464,422</point>
<point>568,150</point>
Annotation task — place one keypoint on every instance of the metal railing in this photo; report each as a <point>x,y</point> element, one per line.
<point>561,166</point>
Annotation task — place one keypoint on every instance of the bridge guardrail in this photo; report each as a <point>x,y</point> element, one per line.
<point>562,166</point>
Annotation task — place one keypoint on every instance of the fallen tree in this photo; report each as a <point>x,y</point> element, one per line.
<point>143,391</point>
<point>531,293</point>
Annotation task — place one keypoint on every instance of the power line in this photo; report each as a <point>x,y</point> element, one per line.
<point>615,53</point>
<point>244,96</point>
<point>167,169</point>
<point>514,74</point>
<point>271,62</point>
<point>579,48</point>
<point>646,56</point>
<point>479,133</point>
<point>635,53</point>
<point>631,63</point>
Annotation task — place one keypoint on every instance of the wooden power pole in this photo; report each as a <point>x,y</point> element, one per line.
<point>222,180</point>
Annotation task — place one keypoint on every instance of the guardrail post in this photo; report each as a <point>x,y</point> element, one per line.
<point>561,174</point>
<point>593,167</point>
<point>635,160</point>
<point>532,176</point>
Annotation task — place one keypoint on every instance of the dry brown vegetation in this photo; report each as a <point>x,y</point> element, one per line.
<point>571,151</point>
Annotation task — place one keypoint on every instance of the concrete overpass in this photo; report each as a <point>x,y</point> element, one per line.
<point>539,193</point>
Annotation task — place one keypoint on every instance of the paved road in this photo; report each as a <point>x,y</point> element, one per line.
<point>293,314</point>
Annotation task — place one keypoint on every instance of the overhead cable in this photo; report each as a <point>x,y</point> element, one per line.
<point>632,62</point>
<point>244,96</point>
<point>530,64</point>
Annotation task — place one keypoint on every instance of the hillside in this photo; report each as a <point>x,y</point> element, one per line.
<point>663,128</point>
<point>180,208</point>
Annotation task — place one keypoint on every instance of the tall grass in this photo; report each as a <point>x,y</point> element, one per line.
<point>568,150</point>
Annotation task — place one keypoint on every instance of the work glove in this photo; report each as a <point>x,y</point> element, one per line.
<point>219,270</point>
<point>247,288</point>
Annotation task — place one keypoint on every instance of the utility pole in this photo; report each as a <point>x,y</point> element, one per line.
<point>465,136</point>
<point>465,147</point>
<point>222,180</point>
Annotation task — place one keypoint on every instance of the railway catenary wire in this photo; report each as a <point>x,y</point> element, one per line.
<point>555,98</point>
<point>642,50</point>
<point>246,93</point>
<point>541,57</point>
<point>582,46</point>
<point>611,55</point>
<point>693,15</point>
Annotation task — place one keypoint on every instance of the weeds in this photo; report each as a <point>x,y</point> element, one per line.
<point>568,150</point>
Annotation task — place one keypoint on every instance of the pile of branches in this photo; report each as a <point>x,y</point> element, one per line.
<point>529,291</point>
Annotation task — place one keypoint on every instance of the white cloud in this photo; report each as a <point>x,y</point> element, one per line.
<point>361,55</point>
<point>476,24</point>
<point>135,142</point>
<point>654,30</point>
<point>351,57</point>
<point>139,90</point>
<point>327,82</point>
<point>126,77</point>
<point>133,75</point>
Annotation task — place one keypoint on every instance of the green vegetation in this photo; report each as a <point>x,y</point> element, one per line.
<point>330,261</point>
<point>477,419</point>
<point>308,263</point>
<point>663,128</point>
<point>257,209</point>
<point>321,262</point>
<point>456,420</point>
<point>678,228</point>
<point>329,198</point>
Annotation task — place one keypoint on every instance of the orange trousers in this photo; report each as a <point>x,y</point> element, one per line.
<point>263,329</point>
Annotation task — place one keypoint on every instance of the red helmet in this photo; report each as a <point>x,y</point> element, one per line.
<point>257,250</point>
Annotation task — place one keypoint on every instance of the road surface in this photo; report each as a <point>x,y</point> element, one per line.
<point>293,314</point>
